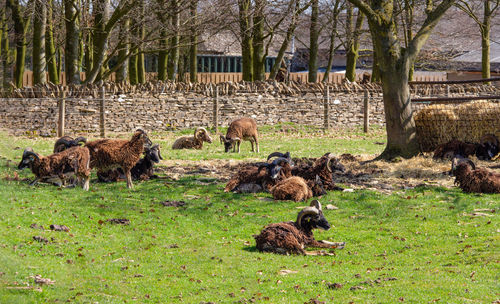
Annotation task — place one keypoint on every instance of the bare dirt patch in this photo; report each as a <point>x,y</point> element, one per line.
<point>361,173</point>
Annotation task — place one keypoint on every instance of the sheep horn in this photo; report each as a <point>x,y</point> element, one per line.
<point>29,152</point>
<point>280,159</point>
<point>275,154</point>
<point>80,139</point>
<point>490,138</point>
<point>306,211</point>
<point>157,146</point>
<point>316,203</point>
<point>330,156</point>
<point>65,141</point>
<point>236,139</point>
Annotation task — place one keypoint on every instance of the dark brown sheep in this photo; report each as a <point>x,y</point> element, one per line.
<point>472,180</point>
<point>294,237</point>
<point>66,142</point>
<point>322,167</point>
<point>486,149</point>
<point>241,129</point>
<point>264,175</point>
<point>107,154</point>
<point>193,142</point>
<point>293,188</point>
<point>75,160</point>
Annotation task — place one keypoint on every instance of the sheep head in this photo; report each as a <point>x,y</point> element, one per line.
<point>312,217</point>
<point>229,142</point>
<point>141,134</point>
<point>275,167</point>
<point>281,155</point>
<point>460,163</point>
<point>28,158</point>
<point>333,164</point>
<point>153,153</point>
<point>80,139</point>
<point>203,135</point>
<point>317,187</point>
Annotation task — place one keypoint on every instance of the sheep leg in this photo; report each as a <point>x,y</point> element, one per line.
<point>251,142</point>
<point>256,143</point>
<point>86,182</point>
<point>238,143</point>
<point>34,182</point>
<point>326,244</point>
<point>129,179</point>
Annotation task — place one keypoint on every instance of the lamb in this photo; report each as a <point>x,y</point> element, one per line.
<point>323,167</point>
<point>470,179</point>
<point>294,237</point>
<point>73,160</point>
<point>241,129</point>
<point>107,154</point>
<point>193,142</point>
<point>293,188</point>
<point>143,169</point>
<point>66,142</point>
<point>486,149</point>
<point>257,177</point>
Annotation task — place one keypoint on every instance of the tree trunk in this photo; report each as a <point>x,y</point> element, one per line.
<point>193,48</point>
<point>39,28</point>
<point>5,53</point>
<point>485,40</point>
<point>122,72</point>
<point>21,25</point>
<point>72,44</point>
<point>163,57</point>
<point>88,58</point>
<point>333,34</point>
<point>173,58</point>
<point>246,39</point>
<point>132,69</point>
<point>353,49</point>
<point>314,33</point>
<point>100,36</point>
<point>258,41</point>
<point>50,48</point>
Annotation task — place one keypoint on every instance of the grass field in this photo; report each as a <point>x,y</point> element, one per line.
<point>422,245</point>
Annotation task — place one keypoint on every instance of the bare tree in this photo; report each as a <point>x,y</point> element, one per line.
<point>22,21</point>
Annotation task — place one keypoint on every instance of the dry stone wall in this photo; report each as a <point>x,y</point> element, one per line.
<point>125,113</point>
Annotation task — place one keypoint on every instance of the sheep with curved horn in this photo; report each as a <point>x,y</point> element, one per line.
<point>294,237</point>
<point>66,142</point>
<point>472,179</point>
<point>193,142</point>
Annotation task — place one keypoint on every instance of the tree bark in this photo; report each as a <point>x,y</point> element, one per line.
<point>71,15</point>
<point>333,35</point>
<point>353,48</point>
<point>21,25</point>
<point>173,58</point>
<point>132,69</point>
<point>5,52</point>
<point>193,48</point>
<point>244,7</point>
<point>163,52</point>
<point>50,48</point>
<point>122,72</point>
<point>258,41</point>
<point>100,36</point>
<point>39,28</point>
<point>314,33</point>
<point>485,40</point>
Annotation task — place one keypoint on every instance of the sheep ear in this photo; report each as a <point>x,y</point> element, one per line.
<point>316,204</point>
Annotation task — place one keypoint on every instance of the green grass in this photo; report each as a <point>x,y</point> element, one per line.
<point>205,252</point>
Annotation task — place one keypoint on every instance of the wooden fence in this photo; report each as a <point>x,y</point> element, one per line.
<point>237,77</point>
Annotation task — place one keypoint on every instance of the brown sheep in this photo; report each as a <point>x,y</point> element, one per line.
<point>472,180</point>
<point>294,237</point>
<point>193,142</point>
<point>75,160</point>
<point>241,129</point>
<point>486,149</point>
<point>293,188</point>
<point>107,154</point>
<point>322,167</point>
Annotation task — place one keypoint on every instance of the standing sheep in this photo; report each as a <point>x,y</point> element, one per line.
<point>106,154</point>
<point>294,237</point>
<point>241,129</point>
<point>193,142</point>
<point>74,160</point>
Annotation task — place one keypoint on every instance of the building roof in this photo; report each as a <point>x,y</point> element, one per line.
<point>476,54</point>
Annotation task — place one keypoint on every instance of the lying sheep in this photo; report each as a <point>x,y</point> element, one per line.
<point>66,142</point>
<point>323,167</point>
<point>74,160</point>
<point>470,179</point>
<point>106,154</point>
<point>261,176</point>
<point>486,149</point>
<point>143,169</point>
<point>294,237</point>
<point>193,142</point>
<point>293,188</point>
<point>241,129</point>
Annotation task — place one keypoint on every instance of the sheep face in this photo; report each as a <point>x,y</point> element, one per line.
<point>312,217</point>
<point>229,143</point>
<point>28,158</point>
<point>334,165</point>
<point>460,164</point>
<point>153,153</point>
<point>203,135</point>
<point>141,134</point>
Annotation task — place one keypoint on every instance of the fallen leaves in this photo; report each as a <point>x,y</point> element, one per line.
<point>173,203</point>
<point>123,221</point>
<point>59,228</point>
<point>40,239</point>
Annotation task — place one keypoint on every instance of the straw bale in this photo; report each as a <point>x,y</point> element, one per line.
<point>440,123</point>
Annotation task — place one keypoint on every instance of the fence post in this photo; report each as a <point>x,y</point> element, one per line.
<point>366,112</point>
<point>326,106</point>
<point>101,112</point>
<point>447,90</point>
<point>216,110</point>
<point>62,114</point>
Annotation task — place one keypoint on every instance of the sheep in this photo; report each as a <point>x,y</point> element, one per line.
<point>143,169</point>
<point>486,149</point>
<point>293,188</point>
<point>294,237</point>
<point>323,167</point>
<point>241,129</point>
<point>66,142</point>
<point>264,179</point>
<point>193,142</point>
<point>106,154</point>
<point>470,179</point>
<point>73,160</point>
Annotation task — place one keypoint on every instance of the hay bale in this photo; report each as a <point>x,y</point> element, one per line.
<point>440,123</point>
